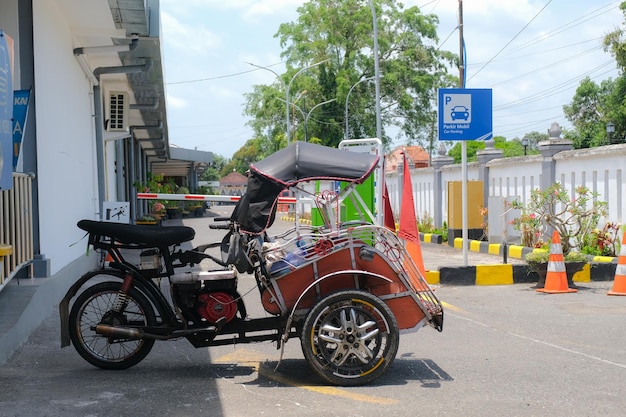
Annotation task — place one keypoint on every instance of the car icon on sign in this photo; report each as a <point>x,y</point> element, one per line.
<point>459,112</point>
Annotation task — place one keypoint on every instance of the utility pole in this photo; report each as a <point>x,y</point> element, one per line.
<point>461,48</point>
<point>463,142</point>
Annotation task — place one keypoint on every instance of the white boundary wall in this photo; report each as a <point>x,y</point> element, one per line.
<point>601,169</point>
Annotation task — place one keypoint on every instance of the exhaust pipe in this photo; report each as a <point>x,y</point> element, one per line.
<point>136,334</point>
<point>120,332</point>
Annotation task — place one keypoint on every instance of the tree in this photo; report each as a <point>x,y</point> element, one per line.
<point>588,112</point>
<point>213,173</point>
<point>534,138</point>
<point>251,152</point>
<point>473,146</point>
<point>340,31</point>
<point>509,147</point>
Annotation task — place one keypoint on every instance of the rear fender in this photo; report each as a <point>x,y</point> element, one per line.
<point>359,272</point>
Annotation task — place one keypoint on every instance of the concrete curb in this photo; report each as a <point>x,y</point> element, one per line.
<point>600,268</point>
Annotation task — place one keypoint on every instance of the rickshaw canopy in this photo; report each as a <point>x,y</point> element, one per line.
<point>298,162</point>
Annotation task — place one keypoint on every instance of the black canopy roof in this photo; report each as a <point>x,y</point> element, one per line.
<point>298,162</point>
<point>303,161</point>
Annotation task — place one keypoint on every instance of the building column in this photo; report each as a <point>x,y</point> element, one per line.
<point>437,163</point>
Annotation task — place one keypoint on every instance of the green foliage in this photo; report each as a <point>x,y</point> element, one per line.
<point>340,31</point>
<point>589,112</point>
<point>473,146</point>
<point>213,172</point>
<point>542,256</point>
<point>595,105</point>
<point>534,138</point>
<point>155,183</point>
<point>602,242</point>
<point>254,150</point>
<point>574,218</point>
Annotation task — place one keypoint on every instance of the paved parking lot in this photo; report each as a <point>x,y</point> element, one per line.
<point>504,351</point>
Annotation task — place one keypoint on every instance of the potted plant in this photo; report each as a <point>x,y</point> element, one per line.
<point>147,220</point>
<point>553,209</point>
<point>173,210</point>
<point>573,217</point>
<point>603,242</point>
<point>537,261</point>
<point>197,209</point>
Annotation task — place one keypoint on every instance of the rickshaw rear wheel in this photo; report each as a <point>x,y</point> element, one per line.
<point>350,338</point>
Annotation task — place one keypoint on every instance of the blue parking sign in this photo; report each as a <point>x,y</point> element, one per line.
<point>465,114</point>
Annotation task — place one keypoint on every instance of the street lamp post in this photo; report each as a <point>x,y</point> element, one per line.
<point>287,87</point>
<point>287,94</point>
<point>525,142</point>
<point>379,129</point>
<point>348,96</point>
<point>306,116</point>
<point>610,129</point>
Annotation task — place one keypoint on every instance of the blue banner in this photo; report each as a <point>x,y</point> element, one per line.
<point>6,114</point>
<point>20,110</point>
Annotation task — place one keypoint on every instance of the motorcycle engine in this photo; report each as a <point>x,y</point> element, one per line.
<point>214,306</point>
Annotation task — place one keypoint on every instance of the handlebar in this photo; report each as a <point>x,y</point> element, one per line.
<point>220,226</point>
<point>221,219</point>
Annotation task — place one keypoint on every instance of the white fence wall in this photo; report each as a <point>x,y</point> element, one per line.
<point>601,169</point>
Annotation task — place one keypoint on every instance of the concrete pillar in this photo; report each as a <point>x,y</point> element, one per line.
<point>548,149</point>
<point>484,156</point>
<point>437,163</point>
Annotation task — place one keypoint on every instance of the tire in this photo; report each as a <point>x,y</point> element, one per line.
<point>355,322</point>
<point>94,306</point>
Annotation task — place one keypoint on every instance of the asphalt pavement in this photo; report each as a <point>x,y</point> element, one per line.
<point>25,303</point>
<point>506,351</point>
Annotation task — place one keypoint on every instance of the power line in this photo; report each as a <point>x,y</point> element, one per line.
<point>558,49</point>
<point>512,39</point>
<point>569,58</point>
<point>552,90</point>
<point>569,25</point>
<point>219,77</point>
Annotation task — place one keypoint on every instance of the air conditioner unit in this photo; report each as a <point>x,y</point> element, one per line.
<point>117,106</point>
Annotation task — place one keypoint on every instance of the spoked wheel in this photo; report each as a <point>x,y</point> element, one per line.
<point>96,306</point>
<point>350,338</point>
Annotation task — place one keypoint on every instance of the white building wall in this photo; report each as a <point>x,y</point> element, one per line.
<point>600,169</point>
<point>67,175</point>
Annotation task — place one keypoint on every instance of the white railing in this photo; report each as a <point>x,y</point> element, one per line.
<point>16,225</point>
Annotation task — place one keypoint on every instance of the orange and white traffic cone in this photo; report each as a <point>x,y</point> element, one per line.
<point>619,283</point>
<point>556,278</point>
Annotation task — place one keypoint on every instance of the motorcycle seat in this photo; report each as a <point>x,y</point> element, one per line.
<point>138,234</point>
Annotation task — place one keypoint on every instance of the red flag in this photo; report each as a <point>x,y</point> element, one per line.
<point>388,219</point>
<point>408,221</point>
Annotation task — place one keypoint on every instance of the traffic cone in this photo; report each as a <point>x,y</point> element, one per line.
<point>556,278</point>
<point>619,284</point>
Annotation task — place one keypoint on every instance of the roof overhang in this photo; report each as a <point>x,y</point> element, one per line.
<point>104,32</point>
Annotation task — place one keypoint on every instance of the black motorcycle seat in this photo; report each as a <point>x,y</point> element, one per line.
<point>139,234</point>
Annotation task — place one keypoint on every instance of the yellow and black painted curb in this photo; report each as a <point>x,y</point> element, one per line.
<point>290,218</point>
<point>599,268</point>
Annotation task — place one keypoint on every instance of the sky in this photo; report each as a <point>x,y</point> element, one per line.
<point>531,53</point>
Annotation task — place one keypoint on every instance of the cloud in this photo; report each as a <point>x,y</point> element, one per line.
<point>174,102</point>
<point>261,8</point>
<point>190,38</point>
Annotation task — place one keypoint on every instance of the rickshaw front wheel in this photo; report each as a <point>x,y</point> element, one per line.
<point>350,338</point>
